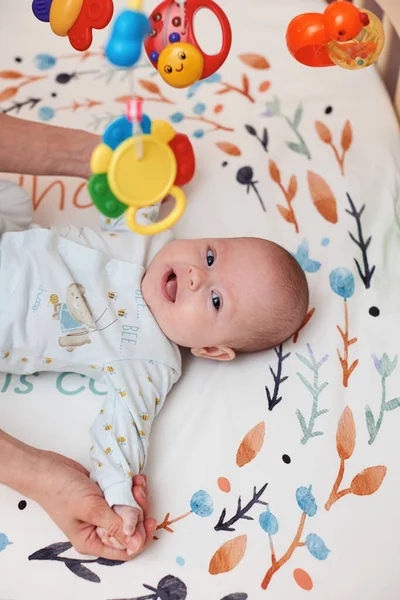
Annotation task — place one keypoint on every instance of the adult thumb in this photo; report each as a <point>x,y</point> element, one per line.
<point>101,515</point>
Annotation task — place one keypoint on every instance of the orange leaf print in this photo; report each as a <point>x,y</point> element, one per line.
<point>251,445</point>
<point>11,75</point>
<point>292,189</point>
<point>229,148</point>
<point>123,99</point>
<point>274,172</point>
<point>286,213</point>
<point>303,579</point>
<point>245,83</point>
<point>346,434</point>
<point>323,132</point>
<point>149,86</point>
<point>347,136</point>
<point>228,556</point>
<point>264,86</point>
<point>256,61</point>
<point>224,484</point>
<point>368,481</point>
<point>218,108</point>
<point>323,197</point>
<point>8,93</point>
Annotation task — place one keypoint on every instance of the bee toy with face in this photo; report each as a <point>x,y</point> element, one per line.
<point>172,46</point>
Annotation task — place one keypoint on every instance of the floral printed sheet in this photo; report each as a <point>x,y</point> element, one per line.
<point>276,475</point>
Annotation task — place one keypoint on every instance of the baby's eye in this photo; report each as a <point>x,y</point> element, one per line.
<point>181,56</point>
<point>168,69</point>
<point>216,300</point>
<point>210,258</point>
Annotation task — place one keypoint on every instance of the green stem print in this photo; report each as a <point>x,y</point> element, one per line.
<point>274,110</point>
<point>315,388</point>
<point>385,368</point>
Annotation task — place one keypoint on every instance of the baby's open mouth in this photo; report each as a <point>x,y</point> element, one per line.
<point>170,285</point>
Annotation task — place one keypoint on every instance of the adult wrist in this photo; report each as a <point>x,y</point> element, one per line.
<point>20,466</point>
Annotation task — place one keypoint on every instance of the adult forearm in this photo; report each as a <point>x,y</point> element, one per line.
<point>19,465</point>
<point>39,149</point>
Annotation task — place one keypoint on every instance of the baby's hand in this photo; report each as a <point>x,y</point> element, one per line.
<point>133,520</point>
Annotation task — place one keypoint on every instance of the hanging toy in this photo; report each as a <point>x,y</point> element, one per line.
<point>172,46</point>
<point>129,31</point>
<point>342,35</point>
<point>139,163</point>
<point>132,172</point>
<point>75,18</point>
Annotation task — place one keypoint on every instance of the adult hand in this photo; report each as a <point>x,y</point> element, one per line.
<point>76,504</point>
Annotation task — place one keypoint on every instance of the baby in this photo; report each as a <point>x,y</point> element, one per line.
<point>119,305</point>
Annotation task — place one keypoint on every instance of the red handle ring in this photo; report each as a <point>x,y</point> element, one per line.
<point>212,62</point>
<point>161,23</point>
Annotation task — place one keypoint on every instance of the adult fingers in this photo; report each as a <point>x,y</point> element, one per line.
<point>150,527</point>
<point>142,499</point>
<point>101,515</point>
<point>109,541</point>
<point>137,541</point>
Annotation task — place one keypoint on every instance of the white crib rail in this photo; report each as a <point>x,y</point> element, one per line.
<point>389,62</point>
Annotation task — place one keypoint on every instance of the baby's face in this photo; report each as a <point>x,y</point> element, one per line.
<point>201,291</point>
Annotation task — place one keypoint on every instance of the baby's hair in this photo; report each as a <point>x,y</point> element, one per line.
<point>286,303</point>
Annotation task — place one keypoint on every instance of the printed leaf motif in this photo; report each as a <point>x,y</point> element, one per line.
<point>392,404</point>
<point>323,132</point>
<point>296,147</point>
<point>8,93</point>
<point>370,423</point>
<point>251,445</point>
<point>228,556</point>
<point>303,579</point>
<point>82,571</point>
<point>301,419</point>
<point>292,189</point>
<point>256,61</point>
<point>10,75</point>
<point>149,86</point>
<point>323,197</point>
<point>229,148</point>
<point>274,172</point>
<point>51,552</point>
<point>298,116</point>
<point>223,91</point>
<point>245,83</point>
<point>346,434</point>
<point>286,213</point>
<point>316,547</point>
<point>264,86</point>
<point>368,481</point>
<point>347,136</point>
<point>218,108</point>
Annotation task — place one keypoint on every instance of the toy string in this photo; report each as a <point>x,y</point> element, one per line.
<point>135,118</point>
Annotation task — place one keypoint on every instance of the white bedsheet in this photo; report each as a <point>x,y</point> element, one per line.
<point>197,438</point>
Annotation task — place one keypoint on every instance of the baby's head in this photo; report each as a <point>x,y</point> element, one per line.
<point>223,296</point>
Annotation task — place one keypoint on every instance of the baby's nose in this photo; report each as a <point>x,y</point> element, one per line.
<point>195,278</point>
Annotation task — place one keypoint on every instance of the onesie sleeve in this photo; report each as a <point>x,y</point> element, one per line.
<point>16,208</point>
<point>136,391</point>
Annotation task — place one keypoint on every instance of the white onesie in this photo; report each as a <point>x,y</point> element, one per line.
<point>70,300</point>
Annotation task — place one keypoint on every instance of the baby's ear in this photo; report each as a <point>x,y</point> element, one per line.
<point>214,352</point>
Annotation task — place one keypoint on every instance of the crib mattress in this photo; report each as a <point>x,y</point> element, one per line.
<point>276,475</point>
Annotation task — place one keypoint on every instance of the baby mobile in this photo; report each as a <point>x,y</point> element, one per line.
<point>342,35</point>
<point>140,162</point>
